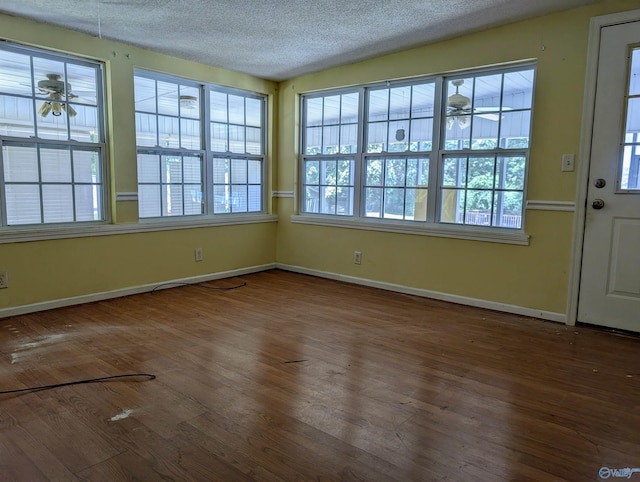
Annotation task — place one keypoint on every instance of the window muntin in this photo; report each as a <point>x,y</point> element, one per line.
<point>447,150</point>
<point>52,138</point>
<point>201,148</point>
<point>630,165</point>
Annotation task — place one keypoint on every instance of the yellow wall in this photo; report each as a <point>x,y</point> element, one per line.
<point>534,276</point>
<point>50,270</point>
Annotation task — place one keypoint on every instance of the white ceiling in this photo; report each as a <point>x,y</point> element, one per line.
<point>280,39</point>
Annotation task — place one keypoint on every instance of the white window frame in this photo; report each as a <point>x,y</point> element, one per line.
<point>98,145</point>
<point>209,214</point>
<point>432,226</point>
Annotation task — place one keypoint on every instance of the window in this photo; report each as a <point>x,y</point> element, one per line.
<point>201,148</point>
<point>629,172</point>
<point>52,137</point>
<point>446,150</point>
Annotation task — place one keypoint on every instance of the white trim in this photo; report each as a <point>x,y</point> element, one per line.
<point>133,290</point>
<point>494,235</point>
<point>588,111</point>
<point>568,206</point>
<point>287,194</point>
<point>40,233</point>
<point>436,295</point>
<point>126,196</point>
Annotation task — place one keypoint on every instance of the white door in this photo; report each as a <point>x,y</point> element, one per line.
<point>610,276</point>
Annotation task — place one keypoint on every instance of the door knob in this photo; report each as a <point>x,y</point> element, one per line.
<point>597,204</point>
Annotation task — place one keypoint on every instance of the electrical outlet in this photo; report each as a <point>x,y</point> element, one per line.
<point>568,162</point>
<point>357,257</point>
<point>4,279</point>
<point>198,254</point>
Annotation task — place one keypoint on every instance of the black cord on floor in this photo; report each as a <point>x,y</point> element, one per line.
<point>79,382</point>
<point>200,285</point>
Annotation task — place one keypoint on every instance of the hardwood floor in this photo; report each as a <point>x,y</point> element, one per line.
<point>298,378</point>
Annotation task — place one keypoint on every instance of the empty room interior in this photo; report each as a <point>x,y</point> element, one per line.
<point>326,241</point>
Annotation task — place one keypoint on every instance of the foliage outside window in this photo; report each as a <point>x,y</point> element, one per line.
<point>201,148</point>
<point>446,149</point>
<point>52,138</point>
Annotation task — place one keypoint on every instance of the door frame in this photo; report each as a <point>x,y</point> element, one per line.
<point>584,153</point>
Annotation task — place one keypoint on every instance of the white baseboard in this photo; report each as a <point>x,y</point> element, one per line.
<point>462,300</point>
<point>105,295</point>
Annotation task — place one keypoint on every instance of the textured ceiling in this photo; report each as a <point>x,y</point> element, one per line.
<point>280,39</point>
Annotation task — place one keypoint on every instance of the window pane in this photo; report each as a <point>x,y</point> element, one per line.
<point>172,200</point>
<point>377,137</point>
<point>57,203</point>
<point>373,202</point>
<point>422,101</point>
<point>218,106</point>
<point>254,112</point>
<point>344,201</point>
<point>221,169</point>
<point>55,165</point>
<point>171,169</point>
<point>510,173</point>
<point>400,102</point>
<point>452,206</point>
<point>514,130</point>
<point>88,202</point>
<point>219,135</point>
<point>312,172</point>
<point>168,131</point>
<point>328,172</point>
<point>167,98</point>
<point>311,199</point>
<point>238,171</point>
<point>189,102</point>
<point>393,203</point>
<point>236,109</point>
<point>518,90</point>
<point>192,169</point>
<point>190,134</point>
<point>485,132</point>
<point>378,104</point>
<point>86,167</point>
<point>84,123</point>
<point>193,199</point>
<point>145,94</point>
<point>53,126</point>
<point>148,168</point>
<point>20,164</point>
<point>23,204</point>
<point>328,200</point>
<point>146,130</point>
<point>221,202</point>
<point>253,140</point>
<point>255,199</point>
<point>46,72</point>
<point>16,116</point>
<point>421,135</point>
<point>238,198</point>
<point>480,172</point>
<point>374,172</point>
<point>330,140</point>
<point>313,140</point>
<point>15,76</point>
<point>349,112</point>
<point>82,83</point>
<point>398,136</point>
<point>508,209</point>
<point>331,111</point>
<point>348,139</point>
<point>255,172</point>
<point>419,204</point>
<point>236,139</point>
<point>395,172</point>
<point>454,171</point>
<point>313,111</point>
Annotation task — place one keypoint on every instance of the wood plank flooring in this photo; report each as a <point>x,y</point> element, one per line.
<point>298,378</point>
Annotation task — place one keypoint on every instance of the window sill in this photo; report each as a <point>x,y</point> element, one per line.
<point>473,233</point>
<point>41,233</point>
